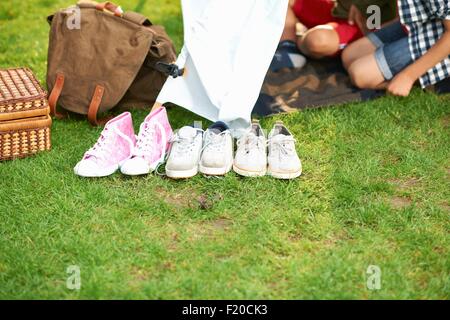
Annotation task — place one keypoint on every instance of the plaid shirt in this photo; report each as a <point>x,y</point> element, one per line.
<point>424,20</point>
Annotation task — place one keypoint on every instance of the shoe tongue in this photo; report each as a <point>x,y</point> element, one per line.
<point>280,137</point>
<point>218,127</point>
<point>252,134</point>
<point>215,131</point>
<point>187,132</point>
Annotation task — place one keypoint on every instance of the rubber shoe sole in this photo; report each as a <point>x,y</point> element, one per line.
<point>99,174</point>
<point>182,174</point>
<point>152,168</point>
<point>284,175</point>
<point>215,171</point>
<point>247,173</point>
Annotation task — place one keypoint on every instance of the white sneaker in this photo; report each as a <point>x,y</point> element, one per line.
<point>283,160</point>
<point>217,155</point>
<point>251,154</point>
<point>185,153</point>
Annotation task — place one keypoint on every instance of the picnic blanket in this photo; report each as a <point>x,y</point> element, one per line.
<point>442,87</point>
<point>319,83</point>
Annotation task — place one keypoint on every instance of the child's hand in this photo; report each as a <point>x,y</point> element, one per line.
<point>401,85</point>
<point>355,17</point>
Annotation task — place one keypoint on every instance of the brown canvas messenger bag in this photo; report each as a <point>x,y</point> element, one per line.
<point>99,58</point>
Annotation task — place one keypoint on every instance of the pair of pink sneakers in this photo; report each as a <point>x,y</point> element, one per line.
<point>119,148</point>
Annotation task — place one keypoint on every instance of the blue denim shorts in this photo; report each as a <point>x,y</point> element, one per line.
<point>393,53</point>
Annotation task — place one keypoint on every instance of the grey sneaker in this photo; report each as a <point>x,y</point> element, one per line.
<point>185,153</point>
<point>217,155</point>
<point>283,159</point>
<point>251,155</point>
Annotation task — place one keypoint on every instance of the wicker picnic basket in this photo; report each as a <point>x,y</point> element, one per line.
<point>24,115</point>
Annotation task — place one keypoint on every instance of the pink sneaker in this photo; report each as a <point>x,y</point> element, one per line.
<point>114,146</point>
<point>152,144</point>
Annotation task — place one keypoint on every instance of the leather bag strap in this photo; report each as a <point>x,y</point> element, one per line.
<point>54,95</point>
<point>95,105</point>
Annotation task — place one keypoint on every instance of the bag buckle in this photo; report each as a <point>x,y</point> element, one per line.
<point>169,69</point>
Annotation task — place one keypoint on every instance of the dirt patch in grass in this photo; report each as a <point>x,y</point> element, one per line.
<point>445,206</point>
<point>138,275</point>
<point>295,237</point>
<point>390,160</point>
<point>209,229</point>
<point>317,245</point>
<point>403,185</point>
<point>221,224</point>
<point>168,265</point>
<point>217,225</point>
<point>173,244</point>
<point>207,202</point>
<point>180,199</point>
<point>184,199</point>
<point>440,250</point>
<point>400,202</point>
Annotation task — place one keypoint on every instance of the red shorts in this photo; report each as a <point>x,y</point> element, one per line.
<point>313,13</point>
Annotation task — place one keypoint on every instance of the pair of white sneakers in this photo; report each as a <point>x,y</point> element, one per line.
<point>276,155</point>
<point>194,150</point>
<point>211,153</point>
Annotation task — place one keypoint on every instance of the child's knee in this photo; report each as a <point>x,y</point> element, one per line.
<point>359,76</point>
<point>347,56</point>
<point>357,50</point>
<point>321,43</point>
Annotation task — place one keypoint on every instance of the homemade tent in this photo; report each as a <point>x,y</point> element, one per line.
<point>228,48</point>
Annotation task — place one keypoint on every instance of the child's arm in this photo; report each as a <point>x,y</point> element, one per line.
<point>402,84</point>
<point>358,18</point>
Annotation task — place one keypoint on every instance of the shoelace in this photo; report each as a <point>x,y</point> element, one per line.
<point>285,145</point>
<point>250,141</point>
<point>147,139</point>
<point>100,149</point>
<point>215,142</point>
<point>183,144</point>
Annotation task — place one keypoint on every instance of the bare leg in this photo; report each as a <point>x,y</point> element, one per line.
<point>356,50</point>
<point>319,42</point>
<point>289,27</point>
<point>365,73</point>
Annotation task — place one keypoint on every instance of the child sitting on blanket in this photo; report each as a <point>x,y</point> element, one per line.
<point>417,47</point>
<point>323,28</point>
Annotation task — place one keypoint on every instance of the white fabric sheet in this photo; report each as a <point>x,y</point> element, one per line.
<point>229,45</point>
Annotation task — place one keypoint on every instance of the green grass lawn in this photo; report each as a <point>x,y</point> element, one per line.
<point>375,191</point>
